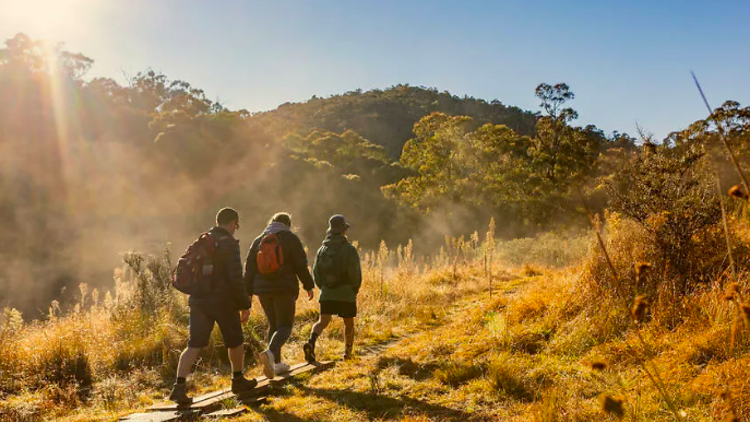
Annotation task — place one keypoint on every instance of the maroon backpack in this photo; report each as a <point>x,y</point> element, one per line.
<point>195,266</point>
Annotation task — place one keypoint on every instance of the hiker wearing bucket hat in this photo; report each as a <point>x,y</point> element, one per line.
<point>337,273</point>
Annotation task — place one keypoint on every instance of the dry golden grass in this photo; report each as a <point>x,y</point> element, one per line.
<point>104,357</point>
<point>554,346</point>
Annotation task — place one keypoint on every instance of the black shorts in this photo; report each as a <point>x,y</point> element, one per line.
<point>342,309</point>
<point>202,319</point>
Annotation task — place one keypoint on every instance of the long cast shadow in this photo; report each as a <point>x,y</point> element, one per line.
<point>381,407</point>
<point>407,367</point>
<point>273,415</point>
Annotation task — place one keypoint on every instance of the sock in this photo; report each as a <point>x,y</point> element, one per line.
<point>236,374</point>
<point>181,380</point>
<point>313,338</point>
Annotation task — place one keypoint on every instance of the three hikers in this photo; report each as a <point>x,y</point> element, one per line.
<point>338,274</point>
<point>211,272</point>
<point>276,264</point>
<point>217,297</point>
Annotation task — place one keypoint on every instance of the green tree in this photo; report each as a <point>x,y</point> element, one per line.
<point>559,151</point>
<point>434,155</point>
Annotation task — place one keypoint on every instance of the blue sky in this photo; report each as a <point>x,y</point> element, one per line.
<point>626,61</point>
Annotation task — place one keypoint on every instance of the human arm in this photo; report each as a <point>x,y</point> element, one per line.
<point>251,268</point>
<point>233,262</point>
<point>354,269</point>
<point>316,270</point>
<point>299,263</point>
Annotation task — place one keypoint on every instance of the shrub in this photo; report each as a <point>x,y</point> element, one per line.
<point>554,250</point>
<point>65,365</point>
<point>670,193</point>
<point>152,278</point>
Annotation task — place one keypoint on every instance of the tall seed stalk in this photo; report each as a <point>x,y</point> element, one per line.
<point>637,312</point>
<point>726,229</point>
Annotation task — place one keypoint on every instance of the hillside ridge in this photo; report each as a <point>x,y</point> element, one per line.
<point>386,117</point>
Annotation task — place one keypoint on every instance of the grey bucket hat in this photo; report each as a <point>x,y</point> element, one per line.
<point>337,224</point>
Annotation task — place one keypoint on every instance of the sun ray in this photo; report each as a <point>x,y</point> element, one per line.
<point>46,18</point>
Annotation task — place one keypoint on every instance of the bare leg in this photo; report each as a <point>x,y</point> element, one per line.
<point>187,359</point>
<point>321,325</point>
<point>318,327</point>
<point>237,357</point>
<point>348,337</point>
<point>349,331</point>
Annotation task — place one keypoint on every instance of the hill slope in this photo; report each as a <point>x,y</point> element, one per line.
<point>387,117</point>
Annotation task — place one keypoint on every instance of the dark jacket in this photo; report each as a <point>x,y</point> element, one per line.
<point>228,288</point>
<point>347,288</point>
<point>285,281</point>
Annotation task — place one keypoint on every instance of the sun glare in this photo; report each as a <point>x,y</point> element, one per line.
<point>45,17</point>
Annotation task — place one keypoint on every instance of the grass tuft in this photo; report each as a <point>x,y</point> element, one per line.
<point>455,374</point>
<point>510,380</point>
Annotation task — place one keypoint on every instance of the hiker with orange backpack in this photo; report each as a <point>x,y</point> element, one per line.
<point>338,274</point>
<point>210,271</point>
<point>275,263</point>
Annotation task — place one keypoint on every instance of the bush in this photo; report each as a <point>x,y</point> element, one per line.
<point>66,365</point>
<point>670,193</point>
<point>152,277</point>
<point>554,250</point>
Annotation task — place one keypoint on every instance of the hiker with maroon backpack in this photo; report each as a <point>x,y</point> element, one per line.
<point>275,263</point>
<point>338,274</point>
<point>211,273</point>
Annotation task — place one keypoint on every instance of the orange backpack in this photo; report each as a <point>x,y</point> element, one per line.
<point>270,254</point>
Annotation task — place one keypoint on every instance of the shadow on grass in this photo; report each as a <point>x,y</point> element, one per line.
<point>408,368</point>
<point>384,407</point>
<point>273,415</point>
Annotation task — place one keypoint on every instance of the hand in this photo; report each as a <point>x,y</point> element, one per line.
<point>310,294</point>
<point>245,315</point>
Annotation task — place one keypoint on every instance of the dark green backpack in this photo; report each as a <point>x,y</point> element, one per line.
<point>331,266</point>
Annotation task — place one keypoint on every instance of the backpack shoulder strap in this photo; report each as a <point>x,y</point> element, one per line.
<point>216,240</point>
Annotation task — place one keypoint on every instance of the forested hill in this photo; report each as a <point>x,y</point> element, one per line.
<point>387,117</point>
<point>90,168</point>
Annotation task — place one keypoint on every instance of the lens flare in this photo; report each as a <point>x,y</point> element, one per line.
<point>45,18</point>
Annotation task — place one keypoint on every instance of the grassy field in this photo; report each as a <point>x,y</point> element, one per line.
<point>548,345</point>
<point>526,355</point>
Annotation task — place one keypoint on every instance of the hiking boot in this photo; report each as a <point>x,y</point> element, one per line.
<point>281,368</point>
<point>179,395</point>
<point>242,384</point>
<point>309,350</point>
<point>266,359</point>
<point>348,354</point>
